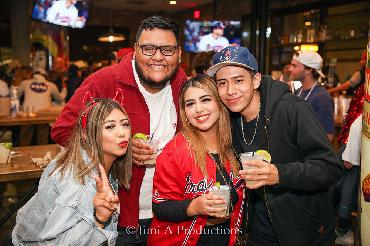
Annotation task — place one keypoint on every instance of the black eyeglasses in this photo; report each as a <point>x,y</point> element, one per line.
<point>150,50</point>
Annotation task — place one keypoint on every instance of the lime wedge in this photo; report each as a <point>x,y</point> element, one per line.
<point>217,184</point>
<point>141,136</point>
<point>7,145</point>
<point>266,155</point>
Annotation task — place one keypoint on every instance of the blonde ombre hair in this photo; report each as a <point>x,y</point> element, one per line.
<point>90,141</point>
<point>192,134</point>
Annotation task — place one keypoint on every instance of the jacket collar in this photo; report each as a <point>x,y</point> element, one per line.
<point>271,92</point>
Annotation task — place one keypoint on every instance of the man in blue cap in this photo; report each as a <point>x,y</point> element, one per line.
<point>289,202</point>
<point>214,41</point>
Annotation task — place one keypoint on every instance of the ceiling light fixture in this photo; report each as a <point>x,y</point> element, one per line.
<point>111,36</point>
<point>172,2</point>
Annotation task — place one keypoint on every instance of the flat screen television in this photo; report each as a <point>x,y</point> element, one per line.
<point>71,13</point>
<point>211,35</point>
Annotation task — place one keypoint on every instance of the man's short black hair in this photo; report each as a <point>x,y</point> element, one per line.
<point>159,22</point>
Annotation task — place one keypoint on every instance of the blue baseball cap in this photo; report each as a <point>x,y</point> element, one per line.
<point>233,56</point>
<point>218,24</point>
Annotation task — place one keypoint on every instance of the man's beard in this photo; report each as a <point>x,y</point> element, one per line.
<point>155,85</point>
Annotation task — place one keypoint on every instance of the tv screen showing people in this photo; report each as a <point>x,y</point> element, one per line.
<point>211,35</point>
<point>71,13</point>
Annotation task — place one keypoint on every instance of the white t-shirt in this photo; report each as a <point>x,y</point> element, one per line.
<point>4,89</point>
<point>59,14</point>
<point>163,122</point>
<point>208,43</point>
<point>352,153</point>
<point>38,93</point>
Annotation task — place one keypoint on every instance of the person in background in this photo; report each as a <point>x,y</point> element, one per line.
<point>112,58</point>
<point>201,62</point>
<point>70,208</point>
<point>355,109</point>
<point>357,78</point>
<point>20,74</point>
<point>306,67</point>
<point>150,79</point>
<point>38,94</point>
<point>289,204</point>
<point>11,69</point>
<point>347,187</point>
<point>122,53</point>
<point>214,41</point>
<point>4,88</point>
<point>73,80</point>
<point>287,78</point>
<point>200,154</point>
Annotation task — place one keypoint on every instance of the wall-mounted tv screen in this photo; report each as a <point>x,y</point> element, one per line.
<point>71,13</point>
<point>211,35</point>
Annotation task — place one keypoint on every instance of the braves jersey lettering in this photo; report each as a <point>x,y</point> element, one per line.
<point>201,186</point>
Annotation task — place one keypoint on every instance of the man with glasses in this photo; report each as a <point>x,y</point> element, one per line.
<point>288,201</point>
<point>150,79</point>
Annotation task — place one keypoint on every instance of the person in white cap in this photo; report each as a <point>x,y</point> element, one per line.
<point>306,67</point>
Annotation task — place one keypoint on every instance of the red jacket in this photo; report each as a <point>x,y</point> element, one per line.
<point>104,83</point>
<point>177,177</point>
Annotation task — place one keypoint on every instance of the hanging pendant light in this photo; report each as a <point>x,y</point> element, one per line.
<point>111,36</point>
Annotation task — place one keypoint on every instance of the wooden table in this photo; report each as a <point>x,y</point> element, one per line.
<point>22,166</point>
<point>40,118</point>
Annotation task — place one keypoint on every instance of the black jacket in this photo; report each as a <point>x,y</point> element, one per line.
<point>299,206</point>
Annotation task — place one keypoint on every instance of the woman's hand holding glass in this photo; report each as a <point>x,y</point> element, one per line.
<point>105,201</point>
<point>203,205</point>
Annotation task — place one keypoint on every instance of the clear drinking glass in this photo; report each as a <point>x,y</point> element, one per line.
<point>248,156</point>
<point>154,144</point>
<point>224,191</point>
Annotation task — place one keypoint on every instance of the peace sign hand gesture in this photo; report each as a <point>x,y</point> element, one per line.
<point>105,201</point>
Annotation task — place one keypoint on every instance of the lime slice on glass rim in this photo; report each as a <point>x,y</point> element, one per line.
<point>265,154</point>
<point>7,145</point>
<point>217,184</point>
<point>141,136</point>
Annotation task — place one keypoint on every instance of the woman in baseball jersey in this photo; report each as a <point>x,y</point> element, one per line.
<point>187,210</point>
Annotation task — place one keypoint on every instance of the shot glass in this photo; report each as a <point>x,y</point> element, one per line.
<point>224,191</point>
<point>154,144</point>
<point>248,156</point>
